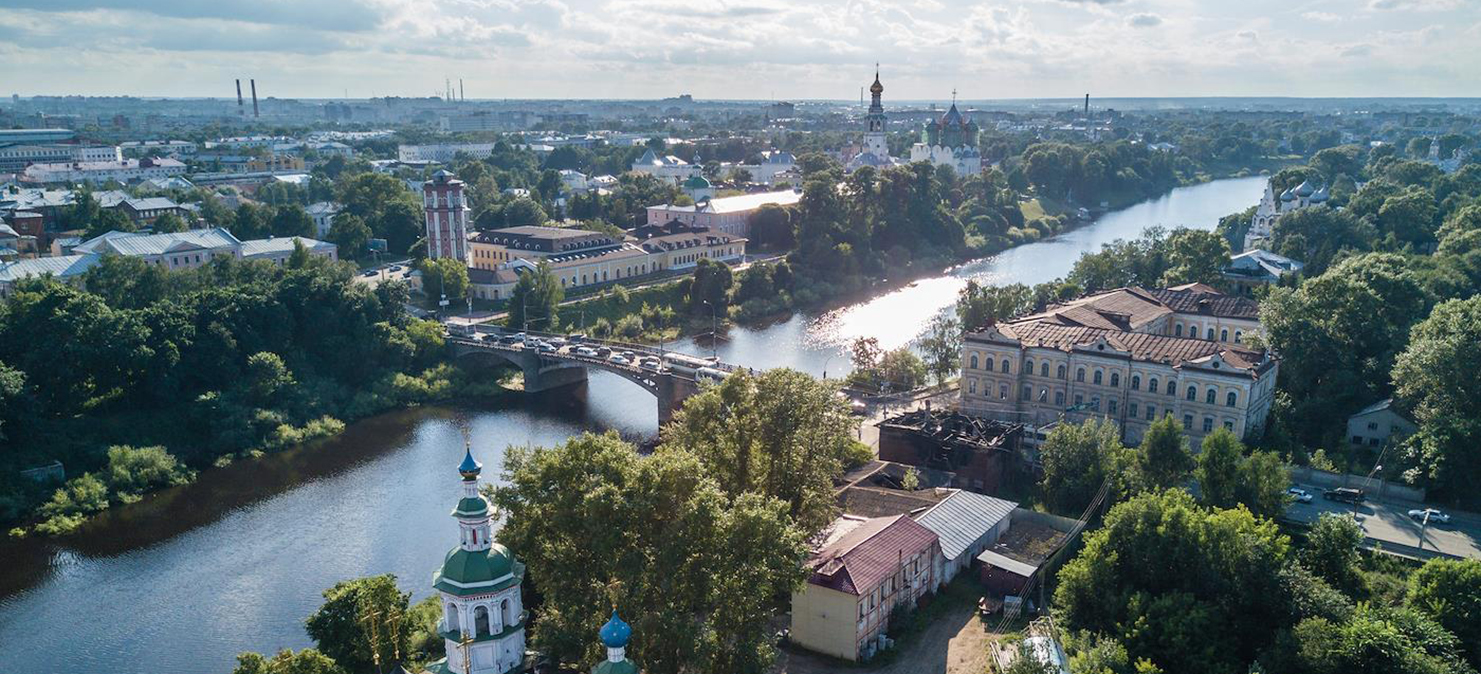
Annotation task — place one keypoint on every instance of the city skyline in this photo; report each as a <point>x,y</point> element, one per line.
<point>756,50</point>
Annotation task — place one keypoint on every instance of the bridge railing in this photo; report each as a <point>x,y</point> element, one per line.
<point>646,349</point>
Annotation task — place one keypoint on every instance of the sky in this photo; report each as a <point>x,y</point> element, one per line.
<point>743,49</point>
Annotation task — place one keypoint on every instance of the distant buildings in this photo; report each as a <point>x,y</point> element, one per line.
<point>322,213</point>
<point>731,215</point>
<point>15,157</point>
<point>1272,207</point>
<point>668,167</point>
<point>125,171</point>
<point>1378,424</point>
<point>1255,268</point>
<point>442,153</point>
<point>1130,355</point>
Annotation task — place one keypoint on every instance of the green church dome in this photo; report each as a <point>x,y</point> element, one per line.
<point>697,183</point>
<point>471,506</point>
<point>466,572</point>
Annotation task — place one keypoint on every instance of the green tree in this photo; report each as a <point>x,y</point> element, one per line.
<point>1437,374</point>
<point>107,220</point>
<point>1187,588</point>
<point>292,220</point>
<point>1078,459</point>
<point>169,223</point>
<point>771,225</point>
<point>132,471</point>
<point>446,276</point>
<point>267,376</point>
<point>781,434</point>
<point>362,624</point>
<point>1383,641</point>
<point>251,222</point>
<point>697,572</point>
<point>942,344</point>
<point>524,211</point>
<point>125,281</point>
<point>1195,256</point>
<point>1218,469</point>
<point>351,234</point>
<point>535,302</point>
<point>710,289</point>
<point>1449,591</point>
<point>306,661</point>
<point>1332,550</point>
<point>901,369</point>
<point>1162,459</point>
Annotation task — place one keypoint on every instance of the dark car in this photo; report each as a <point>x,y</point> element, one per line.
<point>1344,494</point>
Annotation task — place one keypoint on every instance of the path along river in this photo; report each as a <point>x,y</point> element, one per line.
<point>183,581</point>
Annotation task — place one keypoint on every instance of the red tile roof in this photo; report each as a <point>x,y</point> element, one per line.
<point>865,557</point>
<point>1141,346</point>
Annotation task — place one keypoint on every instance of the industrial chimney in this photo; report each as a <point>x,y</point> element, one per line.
<point>241,111</point>
<point>1087,106</point>
<point>254,98</point>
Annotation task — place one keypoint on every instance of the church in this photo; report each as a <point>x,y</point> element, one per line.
<point>1272,207</point>
<point>876,149</point>
<point>951,141</point>
<point>478,585</point>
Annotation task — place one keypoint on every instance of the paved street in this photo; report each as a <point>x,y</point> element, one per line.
<point>1389,523</point>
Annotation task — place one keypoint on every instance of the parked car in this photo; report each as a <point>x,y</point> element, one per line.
<point>1344,494</point>
<point>1435,516</point>
<point>395,267</point>
<point>1299,495</point>
<point>369,272</point>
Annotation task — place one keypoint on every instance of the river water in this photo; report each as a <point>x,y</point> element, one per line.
<point>183,581</point>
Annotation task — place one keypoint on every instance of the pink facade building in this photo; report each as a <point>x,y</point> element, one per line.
<point>447,217</point>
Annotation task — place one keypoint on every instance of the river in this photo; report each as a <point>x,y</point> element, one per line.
<point>183,581</point>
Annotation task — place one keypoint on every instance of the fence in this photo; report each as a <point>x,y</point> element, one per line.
<point>1376,487</point>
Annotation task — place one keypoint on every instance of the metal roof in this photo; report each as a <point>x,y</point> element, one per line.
<point>962,518</point>
<point>279,245</point>
<point>60,266</point>
<point>125,243</point>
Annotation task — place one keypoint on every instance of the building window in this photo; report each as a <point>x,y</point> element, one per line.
<point>974,361</point>
<point>972,386</point>
<point>1005,365</point>
<point>1136,382</point>
<point>1079,399</point>
<point>1151,412</point>
<point>1061,372</point>
<point>1177,330</point>
<point>1210,333</point>
<point>1208,424</point>
<point>1237,335</point>
<point>1224,335</point>
<point>1172,387</point>
<point>1357,439</point>
<point>1080,374</point>
<point>1372,425</point>
<point>1097,376</point>
<point>1187,422</point>
<point>1044,369</point>
<point>1028,393</point>
<point>1111,406</point>
<point>1151,385</point>
<point>1059,398</point>
<point>1229,425</point>
<point>1213,395</point>
<point>1192,392</point>
<point>1028,366</point>
<point>1002,391</point>
<point>1131,410</point>
<point>1116,379</point>
<point>1231,399</point>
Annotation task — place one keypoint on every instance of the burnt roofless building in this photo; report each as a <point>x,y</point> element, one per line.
<point>976,450</point>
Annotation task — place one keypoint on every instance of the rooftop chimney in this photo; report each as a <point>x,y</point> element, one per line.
<point>254,97</point>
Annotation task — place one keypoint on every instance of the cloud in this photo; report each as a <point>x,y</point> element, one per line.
<point>331,15</point>
<point>1093,2</point>
<point>1143,20</point>
<point>1415,5</point>
<point>1324,17</point>
<point>1358,51</point>
<point>1249,35</point>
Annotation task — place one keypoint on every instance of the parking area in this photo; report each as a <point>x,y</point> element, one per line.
<point>1388,523</point>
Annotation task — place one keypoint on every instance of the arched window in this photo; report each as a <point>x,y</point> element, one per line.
<point>1192,392</point>
<point>1044,369</point>
<point>1224,335</point>
<point>506,613</point>
<point>1097,376</point>
<point>1136,382</point>
<point>1210,333</point>
<point>1005,365</point>
<point>974,361</point>
<point>1212,397</point>
<point>1177,330</point>
<point>1152,385</point>
<point>1080,374</point>
<point>481,621</point>
<point>1231,399</point>
<point>1237,336</point>
<point>1028,366</point>
<point>1115,379</point>
<point>1061,372</point>
<point>1172,387</point>
<point>453,619</point>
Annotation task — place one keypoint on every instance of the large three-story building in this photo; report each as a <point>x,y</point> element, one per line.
<point>1131,355</point>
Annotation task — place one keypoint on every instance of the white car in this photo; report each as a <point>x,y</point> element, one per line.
<point>652,364</point>
<point>618,359</point>
<point>1435,516</point>
<point>546,347</point>
<point>1299,495</point>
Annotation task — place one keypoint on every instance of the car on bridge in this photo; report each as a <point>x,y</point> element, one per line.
<point>586,352</point>
<point>618,359</point>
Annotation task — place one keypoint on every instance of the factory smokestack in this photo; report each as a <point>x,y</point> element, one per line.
<point>1087,106</point>
<point>254,98</point>
<point>461,97</point>
<point>241,111</point>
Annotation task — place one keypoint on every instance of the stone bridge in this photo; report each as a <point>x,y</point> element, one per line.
<point>546,370</point>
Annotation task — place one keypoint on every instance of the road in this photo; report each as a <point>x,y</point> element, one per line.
<point>1388,523</point>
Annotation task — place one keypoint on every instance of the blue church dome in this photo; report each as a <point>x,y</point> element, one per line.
<point>616,633</point>
<point>470,467</point>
